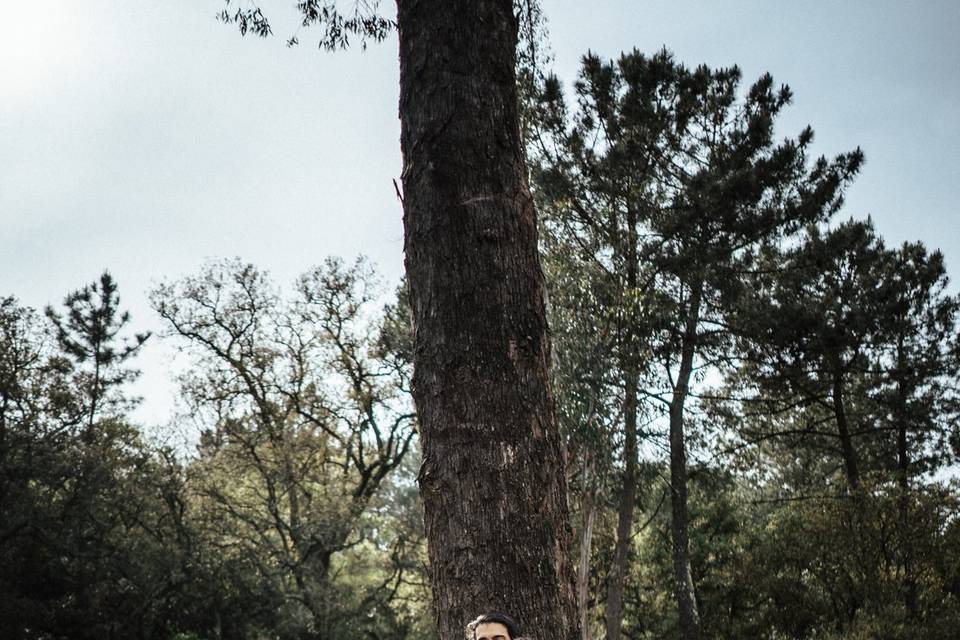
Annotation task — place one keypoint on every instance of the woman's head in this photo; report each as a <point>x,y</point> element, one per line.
<point>493,626</point>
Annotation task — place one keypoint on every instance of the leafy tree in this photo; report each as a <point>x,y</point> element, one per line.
<point>671,186</point>
<point>88,334</point>
<point>84,535</point>
<point>867,356</point>
<point>847,399</point>
<point>920,355</point>
<point>301,427</point>
<point>813,320</point>
<point>30,463</point>
<point>917,356</point>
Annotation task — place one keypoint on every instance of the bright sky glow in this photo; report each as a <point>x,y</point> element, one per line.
<point>43,46</point>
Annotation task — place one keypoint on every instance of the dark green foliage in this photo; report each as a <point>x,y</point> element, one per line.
<point>860,342</point>
<point>87,334</point>
<point>917,358</point>
<point>659,192</point>
<point>796,567</point>
<point>103,535</point>
<point>814,513</point>
<point>81,540</point>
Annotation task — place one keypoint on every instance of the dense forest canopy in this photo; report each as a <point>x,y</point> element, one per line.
<point>756,396</point>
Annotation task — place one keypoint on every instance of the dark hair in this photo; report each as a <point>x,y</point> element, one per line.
<point>494,616</point>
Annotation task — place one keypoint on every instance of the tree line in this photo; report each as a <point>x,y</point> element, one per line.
<point>756,399</point>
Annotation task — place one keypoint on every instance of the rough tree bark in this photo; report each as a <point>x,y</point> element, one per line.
<point>492,477</point>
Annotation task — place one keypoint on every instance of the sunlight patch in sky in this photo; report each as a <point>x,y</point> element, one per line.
<point>43,46</point>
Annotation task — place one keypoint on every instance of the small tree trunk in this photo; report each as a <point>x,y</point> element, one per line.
<point>906,538</point>
<point>629,363</point>
<point>843,430</point>
<point>492,477</point>
<point>589,511</point>
<point>903,479</point>
<point>682,574</point>
<point>628,499</point>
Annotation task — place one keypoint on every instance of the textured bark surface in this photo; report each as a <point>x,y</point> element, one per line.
<point>492,478</point>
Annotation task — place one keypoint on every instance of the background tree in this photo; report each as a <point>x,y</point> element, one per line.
<point>863,360</point>
<point>919,356</point>
<point>88,334</point>
<point>671,186</point>
<point>812,324</point>
<point>83,536</point>
<point>587,388</point>
<point>301,427</point>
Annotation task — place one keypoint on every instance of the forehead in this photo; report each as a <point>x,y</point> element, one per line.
<point>492,631</point>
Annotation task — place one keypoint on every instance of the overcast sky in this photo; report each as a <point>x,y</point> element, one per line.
<point>144,137</point>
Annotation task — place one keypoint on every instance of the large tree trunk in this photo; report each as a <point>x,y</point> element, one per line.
<point>492,478</point>
<point>682,574</point>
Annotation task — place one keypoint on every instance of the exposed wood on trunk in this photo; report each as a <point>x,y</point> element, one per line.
<point>492,478</point>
